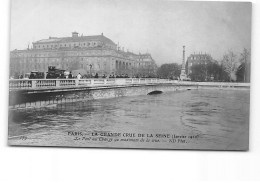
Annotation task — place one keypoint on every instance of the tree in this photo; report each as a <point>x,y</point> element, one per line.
<point>169,71</point>
<point>240,73</point>
<point>229,62</point>
<point>223,75</point>
<point>243,71</point>
<point>210,71</point>
<point>198,72</point>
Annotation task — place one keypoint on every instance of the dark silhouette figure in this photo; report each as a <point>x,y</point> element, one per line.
<point>96,76</point>
<point>70,75</point>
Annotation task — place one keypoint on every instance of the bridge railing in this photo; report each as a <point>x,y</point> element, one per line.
<point>59,83</point>
<point>218,84</point>
<point>17,83</point>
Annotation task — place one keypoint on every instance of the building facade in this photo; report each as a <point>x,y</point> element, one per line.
<point>90,54</point>
<point>197,59</point>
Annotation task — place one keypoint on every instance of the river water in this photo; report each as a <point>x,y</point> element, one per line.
<point>205,119</point>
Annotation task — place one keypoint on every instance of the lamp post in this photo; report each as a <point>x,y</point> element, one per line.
<point>90,66</point>
<point>132,71</point>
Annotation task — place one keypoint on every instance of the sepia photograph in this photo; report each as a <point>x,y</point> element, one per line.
<point>130,74</point>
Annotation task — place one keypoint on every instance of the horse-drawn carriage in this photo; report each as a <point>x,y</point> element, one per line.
<point>54,73</point>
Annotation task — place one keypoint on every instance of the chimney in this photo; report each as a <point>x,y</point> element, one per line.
<point>75,34</point>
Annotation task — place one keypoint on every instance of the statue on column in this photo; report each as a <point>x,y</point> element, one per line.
<point>183,75</point>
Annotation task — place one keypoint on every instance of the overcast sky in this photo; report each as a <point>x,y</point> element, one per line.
<point>159,27</point>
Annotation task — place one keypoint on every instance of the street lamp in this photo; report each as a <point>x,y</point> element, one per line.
<point>90,66</point>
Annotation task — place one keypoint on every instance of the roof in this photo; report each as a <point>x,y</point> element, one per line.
<point>77,39</point>
<point>49,40</point>
<point>200,56</point>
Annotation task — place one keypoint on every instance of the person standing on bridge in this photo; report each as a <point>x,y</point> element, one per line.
<point>70,76</point>
<point>79,76</point>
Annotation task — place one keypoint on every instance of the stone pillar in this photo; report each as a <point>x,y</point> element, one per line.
<point>183,75</point>
<point>33,83</point>
<point>91,82</point>
<point>76,82</point>
<point>57,83</point>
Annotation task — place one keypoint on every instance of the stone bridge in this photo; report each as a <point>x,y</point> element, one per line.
<point>48,92</point>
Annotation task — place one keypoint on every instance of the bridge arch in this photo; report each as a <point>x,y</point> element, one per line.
<point>155,92</point>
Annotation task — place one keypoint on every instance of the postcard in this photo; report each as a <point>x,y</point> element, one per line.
<point>130,74</point>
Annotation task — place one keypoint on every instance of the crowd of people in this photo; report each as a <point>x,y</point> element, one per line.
<point>40,75</point>
<point>79,76</point>
<point>114,76</point>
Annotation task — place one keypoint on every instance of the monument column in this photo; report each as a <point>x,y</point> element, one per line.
<point>183,75</point>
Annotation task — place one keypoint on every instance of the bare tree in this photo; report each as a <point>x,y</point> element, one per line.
<point>230,64</point>
<point>245,58</point>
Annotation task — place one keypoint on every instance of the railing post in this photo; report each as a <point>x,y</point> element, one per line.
<point>33,83</point>
<point>57,83</point>
<point>91,82</point>
<point>105,81</point>
<point>76,82</point>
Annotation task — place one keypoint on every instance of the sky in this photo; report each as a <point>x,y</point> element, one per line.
<point>159,27</point>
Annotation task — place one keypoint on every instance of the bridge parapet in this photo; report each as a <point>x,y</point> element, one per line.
<point>44,92</point>
<point>60,83</point>
<point>217,84</point>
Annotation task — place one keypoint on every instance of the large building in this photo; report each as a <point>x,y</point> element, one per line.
<point>91,54</point>
<point>197,59</point>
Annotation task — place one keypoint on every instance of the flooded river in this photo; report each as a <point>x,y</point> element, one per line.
<point>203,119</point>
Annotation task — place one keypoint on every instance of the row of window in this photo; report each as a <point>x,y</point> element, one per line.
<point>44,67</point>
<point>119,63</point>
<point>33,60</point>
<point>67,54</point>
<point>198,57</point>
<point>66,45</point>
<point>27,64</point>
<point>198,63</point>
<point>67,60</point>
